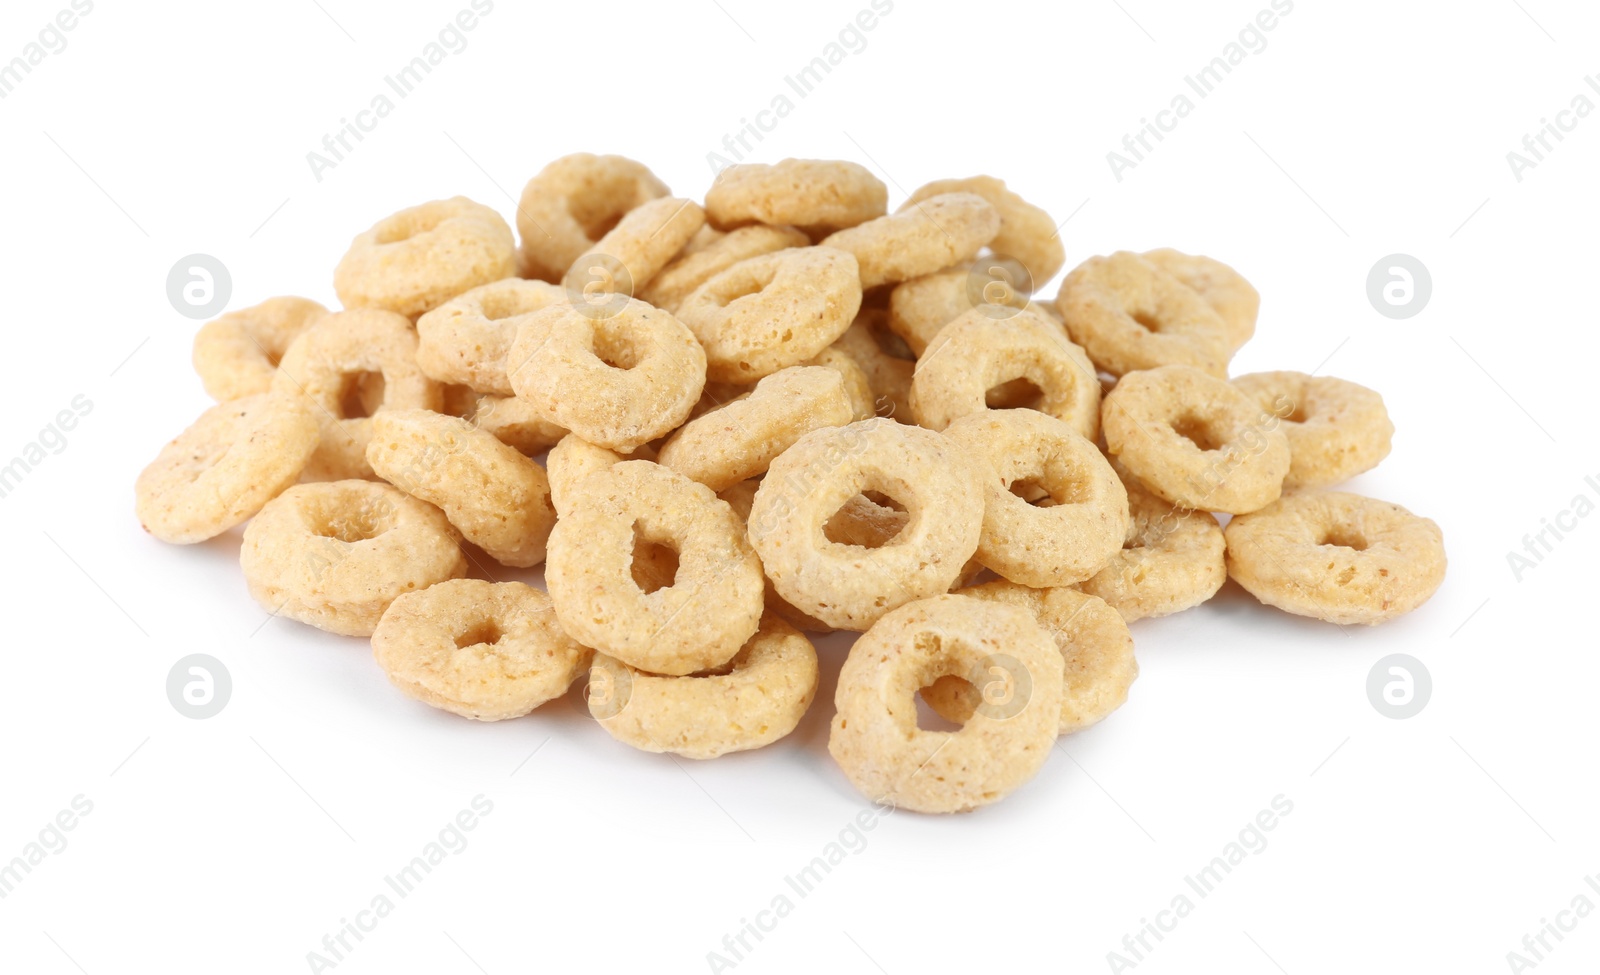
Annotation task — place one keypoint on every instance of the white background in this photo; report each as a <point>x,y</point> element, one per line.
<point>1363,129</point>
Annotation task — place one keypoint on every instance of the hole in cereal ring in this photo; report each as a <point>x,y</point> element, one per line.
<point>360,394</point>
<point>504,303</point>
<point>615,347</point>
<point>947,688</point>
<point>1343,536</point>
<point>404,226</point>
<point>868,520</point>
<point>1018,394</point>
<point>1033,491</point>
<point>655,566</point>
<point>883,501</point>
<point>1298,414</point>
<point>1145,320</point>
<point>358,525</point>
<point>1197,430</point>
<point>486,632</point>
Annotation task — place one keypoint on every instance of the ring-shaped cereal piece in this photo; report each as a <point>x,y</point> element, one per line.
<point>483,650</point>
<point>238,456</point>
<point>921,307</point>
<point>1223,288</point>
<point>934,234</point>
<point>466,339</point>
<point>769,312</point>
<point>699,621</point>
<point>999,648</point>
<point>1171,560</point>
<point>820,194</point>
<point>418,259</point>
<point>888,375</point>
<point>498,499</point>
<point>643,242</point>
<point>1336,428</point>
<point>618,381</point>
<point>573,458</point>
<point>857,387</point>
<point>849,586</point>
<point>741,439</point>
<point>679,279</point>
<point>1130,315</point>
<point>974,354</point>
<point>572,203</point>
<point>515,424</point>
<point>1068,534</point>
<point>1195,440</point>
<point>1026,232</point>
<point>1337,557</point>
<point>752,700</point>
<point>335,554</point>
<point>350,365</point>
<point>236,355</point>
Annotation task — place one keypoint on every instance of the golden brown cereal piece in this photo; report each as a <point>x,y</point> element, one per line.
<point>975,354</point>
<point>483,650</point>
<point>237,354</point>
<point>740,440</point>
<point>768,312</point>
<point>1130,315</point>
<point>695,267</point>
<point>1066,535</point>
<point>515,424</point>
<point>818,193</point>
<point>1000,649</point>
<point>642,243</point>
<point>498,499</point>
<point>238,456</point>
<point>1337,557</point>
<point>750,701</point>
<point>936,233</point>
<point>617,380</point>
<point>348,366</point>
<point>1171,559</point>
<point>572,459</point>
<point>1096,651</point>
<point>421,257</point>
<point>336,554</point>
<point>919,308</point>
<point>1195,440</point>
<point>572,203</point>
<point>849,586</point>
<point>466,339</point>
<point>1336,428</point>
<point>888,375</point>
<point>1223,288</point>
<point>714,602</point>
<point>1026,232</point>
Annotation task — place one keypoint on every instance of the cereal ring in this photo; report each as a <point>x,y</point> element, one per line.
<point>740,440</point>
<point>1002,648</point>
<point>752,700</point>
<point>768,312</point>
<point>938,232</point>
<point>974,354</point>
<point>572,459</point>
<point>238,456</point>
<point>1074,528</point>
<point>1195,441</point>
<point>515,424</point>
<point>814,193</point>
<point>850,586</point>
<point>921,307</point>
<point>1223,288</point>
<point>336,554</point>
<point>1171,560</point>
<point>498,499</point>
<point>642,243</point>
<point>572,203</point>
<point>1026,232</point>
<point>420,258</point>
<point>237,354</point>
<point>466,339</point>
<point>888,375</point>
<point>1337,557</point>
<point>1336,428</point>
<point>1096,651</point>
<point>617,381</point>
<point>679,279</point>
<point>483,650</point>
<point>1130,315</point>
<point>857,388</point>
<point>715,599</point>
<point>350,365</point>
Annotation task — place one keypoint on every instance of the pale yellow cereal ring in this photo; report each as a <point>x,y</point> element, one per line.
<point>768,312</point>
<point>1337,557</point>
<point>1171,560</point>
<point>572,203</point>
<point>237,354</point>
<point>348,366</point>
<point>678,280</point>
<point>1336,428</point>
<point>811,193</point>
<point>1002,650</point>
<point>921,307</point>
<point>1130,315</point>
<point>498,499</point>
<point>849,586</point>
<point>238,456</point>
<point>1026,232</point>
<point>483,650</point>
<point>888,375</point>
<point>466,339</point>
<point>634,252</point>
<point>699,621</point>
<point>740,440</point>
<point>752,700</point>
<point>934,234</point>
<point>1223,288</point>
<point>515,424</point>
<point>336,554</point>
<point>421,257</point>
<point>857,387</point>
<point>573,458</point>
<point>618,380</point>
<point>1069,533</point>
<point>1195,441</point>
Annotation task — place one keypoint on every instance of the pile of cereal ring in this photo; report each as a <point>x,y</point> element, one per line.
<point>783,411</point>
